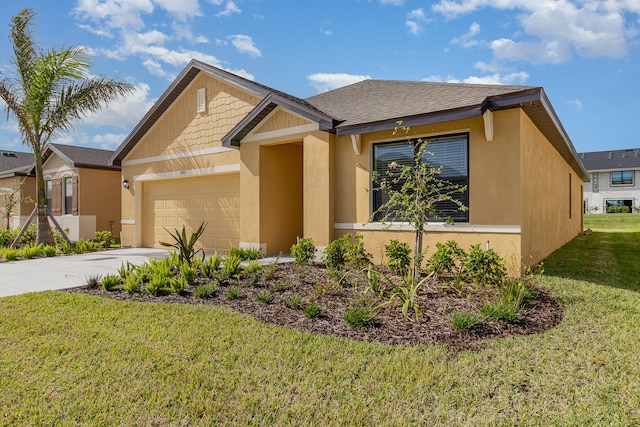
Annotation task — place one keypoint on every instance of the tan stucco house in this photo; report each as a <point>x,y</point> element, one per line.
<point>263,167</point>
<point>83,190</point>
<point>15,167</point>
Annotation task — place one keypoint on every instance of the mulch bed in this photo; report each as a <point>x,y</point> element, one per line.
<point>313,283</point>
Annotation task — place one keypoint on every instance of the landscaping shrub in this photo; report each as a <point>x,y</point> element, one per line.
<point>234,292</point>
<point>48,251</point>
<point>484,267</point>
<point>294,302</point>
<point>84,245</point>
<point>30,251</point>
<point>206,291</point>
<point>29,236</point>
<point>399,256</point>
<point>186,245</point>
<point>231,267</point>
<point>618,209</point>
<point>361,317</point>
<point>93,281</point>
<point>211,265</point>
<point>188,272</point>
<point>104,239</point>
<point>177,285</point>
<point>448,258</point>
<point>465,320</point>
<point>265,297</point>
<point>281,285</point>
<point>131,283</point>
<point>7,236</point>
<point>303,251</point>
<point>9,254</point>
<point>110,282</point>
<point>312,311</point>
<point>245,254</point>
<point>342,251</point>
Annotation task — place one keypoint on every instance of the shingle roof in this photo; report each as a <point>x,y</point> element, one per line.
<point>15,162</point>
<point>611,159</point>
<point>383,100</point>
<point>81,156</point>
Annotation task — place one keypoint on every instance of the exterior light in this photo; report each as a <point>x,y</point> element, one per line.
<point>125,183</point>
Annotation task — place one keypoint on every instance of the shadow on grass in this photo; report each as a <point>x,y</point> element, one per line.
<point>605,258</point>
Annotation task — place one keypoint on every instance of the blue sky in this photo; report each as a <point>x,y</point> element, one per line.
<point>584,53</point>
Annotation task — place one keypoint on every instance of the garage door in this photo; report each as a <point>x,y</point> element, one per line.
<point>189,201</point>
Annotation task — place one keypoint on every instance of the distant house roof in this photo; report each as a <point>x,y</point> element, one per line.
<point>15,163</point>
<point>81,157</point>
<point>611,160</point>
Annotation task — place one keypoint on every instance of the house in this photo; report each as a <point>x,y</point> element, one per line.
<point>82,189</point>
<point>263,168</point>
<point>614,180</point>
<point>15,168</point>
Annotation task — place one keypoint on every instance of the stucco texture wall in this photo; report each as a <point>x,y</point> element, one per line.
<point>100,196</point>
<point>552,195</point>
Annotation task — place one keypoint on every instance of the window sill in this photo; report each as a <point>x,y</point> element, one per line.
<point>458,227</point>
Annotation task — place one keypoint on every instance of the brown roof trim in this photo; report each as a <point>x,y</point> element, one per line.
<point>52,148</point>
<point>265,107</point>
<point>186,76</point>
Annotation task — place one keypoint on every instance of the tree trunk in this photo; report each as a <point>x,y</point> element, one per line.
<point>44,229</point>
<point>417,256</point>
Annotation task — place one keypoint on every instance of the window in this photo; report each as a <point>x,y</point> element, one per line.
<point>619,206</point>
<point>48,191</point>
<point>622,178</point>
<point>68,196</point>
<point>450,152</point>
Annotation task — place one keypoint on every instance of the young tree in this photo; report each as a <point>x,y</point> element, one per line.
<point>47,92</point>
<point>10,198</point>
<point>415,192</point>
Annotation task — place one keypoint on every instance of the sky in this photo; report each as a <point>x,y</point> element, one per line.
<point>585,54</point>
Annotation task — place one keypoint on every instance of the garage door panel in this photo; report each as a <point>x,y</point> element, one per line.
<point>189,201</point>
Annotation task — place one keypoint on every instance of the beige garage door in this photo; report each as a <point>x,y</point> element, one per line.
<point>189,201</point>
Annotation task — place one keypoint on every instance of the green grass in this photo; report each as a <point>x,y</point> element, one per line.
<point>612,222</point>
<point>76,359</point>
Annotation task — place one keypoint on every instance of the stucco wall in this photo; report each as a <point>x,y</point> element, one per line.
<point>100,196</point>
<point>23,209</point>
<point>552,195</point>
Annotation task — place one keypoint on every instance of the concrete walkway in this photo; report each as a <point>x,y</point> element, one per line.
<point>63,272</point>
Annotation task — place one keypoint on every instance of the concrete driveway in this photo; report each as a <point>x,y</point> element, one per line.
<point>62,272</point>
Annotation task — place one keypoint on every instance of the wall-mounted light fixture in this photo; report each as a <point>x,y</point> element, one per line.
<point>125,183</point>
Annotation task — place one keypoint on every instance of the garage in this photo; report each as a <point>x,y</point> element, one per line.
<point>189,201</point>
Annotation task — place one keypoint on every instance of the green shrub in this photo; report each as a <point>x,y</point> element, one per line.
<point>29,236</point>
<point>312,311</point>
<point>104,239</point>
<point>158,285</point>
<point>64,247</point>
<point>265,297</point>
<point>30,251</point>
<point>231,267</point>
<point>84,246</point>
<point>618,209</point>
<point>126,270</point>
<point>281,285</point>
<point>188,272</point>
<point>361,317</point>
<point>131,283</point>
<point>342,251</point>
<point>245,254</point>
<point>484,267</point>
<point>465,320</point>
<point>93,281</point>
<point>177,285</point>
<point>448,258</point>
<point>234,292</point>
<point>186,246</point>
<point>7,236</point>
<point>294,302</point>
<point>303,251</point>
<point>10,254</point>
<point>211,265</point>
<point>399,256</point>
<point>110,282</point>
<point>500,311</point>
<point>253,267</point>
<point>270,270</point>
<point>48,250</point>
<point>206,291</point>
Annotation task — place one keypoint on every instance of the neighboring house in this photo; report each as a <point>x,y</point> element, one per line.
<point>83,190</point>
<point>15,167</point>
<point>614,180</point>
<point>263,168</point>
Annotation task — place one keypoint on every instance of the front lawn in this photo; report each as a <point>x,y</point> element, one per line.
<point>71,358</point>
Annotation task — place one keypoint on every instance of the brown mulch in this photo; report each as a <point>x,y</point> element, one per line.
<point>313,283</point>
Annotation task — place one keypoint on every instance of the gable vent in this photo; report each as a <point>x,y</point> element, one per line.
<point>202,100</point>
<point>6,154</point>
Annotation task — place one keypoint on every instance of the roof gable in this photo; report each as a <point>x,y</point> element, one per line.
<point>15,163</point>
<point>80,157</point>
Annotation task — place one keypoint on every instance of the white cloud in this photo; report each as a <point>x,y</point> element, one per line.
<point>108,141</point>
<point>323,82</point>
<point>467,40</point>
<point>576,103</point>
<point>517,78</point>
<point>414,21</point>
<point>230,8</point>
<point>554,30</point>
<point>244,44</point>
<point>180,9</point>
<point>124,111</point>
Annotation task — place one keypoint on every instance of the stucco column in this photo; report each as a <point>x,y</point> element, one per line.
<point>250,195</point>
<point>318,188</point>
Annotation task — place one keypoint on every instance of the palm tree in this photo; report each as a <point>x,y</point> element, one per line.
<point>46,93</point>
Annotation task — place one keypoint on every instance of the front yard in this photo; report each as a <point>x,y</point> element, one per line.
<point>71,358</point>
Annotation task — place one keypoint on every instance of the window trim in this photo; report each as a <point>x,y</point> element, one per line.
<point>373,143</point>
<point>66,211</point>
<point>622,184</point>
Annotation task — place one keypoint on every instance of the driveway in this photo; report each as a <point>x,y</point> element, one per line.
<point>62,272</point>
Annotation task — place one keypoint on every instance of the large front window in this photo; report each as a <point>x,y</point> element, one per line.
<point>450,152</point>
<point>622,178</point>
